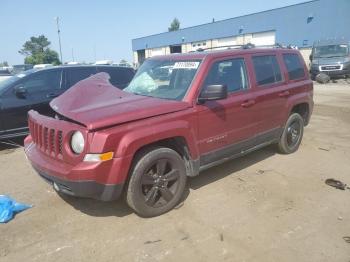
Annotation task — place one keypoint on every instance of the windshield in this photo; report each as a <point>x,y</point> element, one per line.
<point>7,82</point>
<point>166,79</point>
<point>331,51</point>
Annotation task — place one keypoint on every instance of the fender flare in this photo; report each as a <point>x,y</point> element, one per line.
<point>130,143</point>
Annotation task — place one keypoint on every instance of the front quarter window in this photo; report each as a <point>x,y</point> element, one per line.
<point>166,79</point>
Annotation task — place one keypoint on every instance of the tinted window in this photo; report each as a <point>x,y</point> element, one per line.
<point>119,77</point>
<point>43,81</point>
<point>294,66</point>
<point>229,72</point>
<point>77,74</point>
<point>267,70</point>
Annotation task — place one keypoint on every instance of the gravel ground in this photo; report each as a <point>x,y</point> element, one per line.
<point>262,207</point>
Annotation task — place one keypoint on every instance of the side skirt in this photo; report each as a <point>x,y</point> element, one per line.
<point>236,150</point>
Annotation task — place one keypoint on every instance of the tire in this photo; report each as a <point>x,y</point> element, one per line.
<point>157,182</point>
<point>323,78</point>
<point>292,134</point>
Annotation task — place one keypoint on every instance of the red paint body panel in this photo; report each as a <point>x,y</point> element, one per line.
<point>115,121</point>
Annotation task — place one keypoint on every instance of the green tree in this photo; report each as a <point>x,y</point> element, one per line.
<point>37,51</point>
<point>175,25</point>
<point>4,63</point>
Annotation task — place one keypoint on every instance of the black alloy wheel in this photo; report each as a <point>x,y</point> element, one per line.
<point>157,181</point>
<point>160,182</point>
<point>292,134</point>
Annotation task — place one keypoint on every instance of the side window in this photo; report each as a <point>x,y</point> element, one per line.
<point>119,77</point>
<point>77,74</point>
<point>267,70</point>
<point>294,66</point>
<point>43,81</point>
<point>232,73</point>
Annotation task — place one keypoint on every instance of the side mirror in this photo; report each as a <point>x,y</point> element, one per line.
<point>213,92</point>
<point>21,91</point>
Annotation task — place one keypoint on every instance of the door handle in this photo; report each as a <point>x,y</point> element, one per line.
<point>284,94</point>
<point>52,95</point>
<point>248,103</point>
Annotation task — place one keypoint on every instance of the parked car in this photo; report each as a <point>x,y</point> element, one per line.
<point>42,66</point>
<point>4,74</point>
<point>34,89</point>
<point>16,69</point>
<point>331,57</point>
<point>148,138</point>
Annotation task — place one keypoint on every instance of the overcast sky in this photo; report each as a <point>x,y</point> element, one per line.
<point>107,27</point>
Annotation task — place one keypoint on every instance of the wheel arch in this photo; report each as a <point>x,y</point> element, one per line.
<point>303,109</point>
<point>175,135</point>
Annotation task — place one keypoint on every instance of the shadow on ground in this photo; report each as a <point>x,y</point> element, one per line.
<point>97,208</point>
<point>230,167</point>
<point>119,208</point>
<point>9,145</point>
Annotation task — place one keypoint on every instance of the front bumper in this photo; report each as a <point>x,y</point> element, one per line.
<point>343,71</point>
<point>103,181</point>
<point>89,189</point>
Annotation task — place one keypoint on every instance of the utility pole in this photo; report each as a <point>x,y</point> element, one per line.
<point>59,36</point>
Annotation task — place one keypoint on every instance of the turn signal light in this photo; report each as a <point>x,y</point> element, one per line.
<point>98,157</point>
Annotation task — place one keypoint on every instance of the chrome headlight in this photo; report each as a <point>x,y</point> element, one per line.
<point>77,142</point>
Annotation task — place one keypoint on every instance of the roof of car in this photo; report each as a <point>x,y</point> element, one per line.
<point>79,66</point>
<point>336,41</point>
<point>218,53</point>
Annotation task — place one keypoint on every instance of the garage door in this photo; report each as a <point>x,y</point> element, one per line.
<point>157,51</point>
<point>265,38</point>
<point>227,41</point>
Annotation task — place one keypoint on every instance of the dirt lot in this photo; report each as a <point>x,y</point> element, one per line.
<point>263,207</point>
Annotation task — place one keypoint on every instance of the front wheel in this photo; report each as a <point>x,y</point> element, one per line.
<point>292,134</point>
<point>157,182</point>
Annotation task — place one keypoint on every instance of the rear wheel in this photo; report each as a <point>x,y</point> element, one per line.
<point>292,134</point>
<point>157,182</point>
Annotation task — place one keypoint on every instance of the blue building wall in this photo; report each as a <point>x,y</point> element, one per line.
<point>330,18</point>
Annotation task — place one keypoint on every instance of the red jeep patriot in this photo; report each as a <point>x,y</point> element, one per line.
<point>179,115</point>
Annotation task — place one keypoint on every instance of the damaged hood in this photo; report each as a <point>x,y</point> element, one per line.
<point>95,103</point>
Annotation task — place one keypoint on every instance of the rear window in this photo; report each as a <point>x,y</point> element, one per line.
<point>267,70</point>
<point>77,74</point>
<point>119,77</point>
<point>294,66</point>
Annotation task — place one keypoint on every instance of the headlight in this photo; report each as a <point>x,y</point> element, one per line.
<point>347,60</point>
<point>77,142</point>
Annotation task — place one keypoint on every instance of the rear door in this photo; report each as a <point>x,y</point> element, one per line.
<point>40,88</point>
<point>119,76</point>
<point>271,91</point>
<point>228,126</point>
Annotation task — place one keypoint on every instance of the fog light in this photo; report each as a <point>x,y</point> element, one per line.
<point>98,157</point>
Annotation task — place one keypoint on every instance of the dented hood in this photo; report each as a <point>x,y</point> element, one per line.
<point>95,103</point>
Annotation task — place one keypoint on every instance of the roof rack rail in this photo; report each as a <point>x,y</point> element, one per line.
<point>245,46</point>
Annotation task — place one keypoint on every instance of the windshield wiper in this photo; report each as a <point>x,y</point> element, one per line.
<point>139,94</point>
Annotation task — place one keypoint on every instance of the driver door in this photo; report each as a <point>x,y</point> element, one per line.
<point>227,127</point>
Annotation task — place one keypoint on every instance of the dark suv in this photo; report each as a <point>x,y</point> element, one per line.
<point>34,89</point>
<point>147,139</point>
